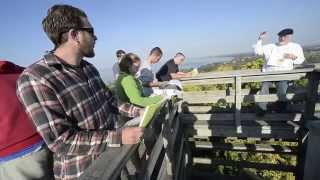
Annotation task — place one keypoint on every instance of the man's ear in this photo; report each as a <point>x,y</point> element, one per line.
<point>73,35</point>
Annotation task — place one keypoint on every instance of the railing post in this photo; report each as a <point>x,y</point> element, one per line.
<point>312,96</point>
<point>237,101</point>
<point>310,104</point>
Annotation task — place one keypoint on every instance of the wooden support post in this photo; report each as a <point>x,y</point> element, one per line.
<point>238,104</point>
<point>312,95</point>
<point>311,100</point>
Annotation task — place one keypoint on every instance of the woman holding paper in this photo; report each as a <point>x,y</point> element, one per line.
<point>128,86</point>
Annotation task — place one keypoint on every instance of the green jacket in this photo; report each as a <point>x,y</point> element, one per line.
<point>129,90</point>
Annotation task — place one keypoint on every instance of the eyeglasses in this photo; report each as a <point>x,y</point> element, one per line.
<point>89,30</point>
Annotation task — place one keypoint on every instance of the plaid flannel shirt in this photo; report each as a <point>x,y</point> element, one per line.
<point>72,110</point>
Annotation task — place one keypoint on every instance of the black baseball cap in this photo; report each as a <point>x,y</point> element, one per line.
<point>285,32</point>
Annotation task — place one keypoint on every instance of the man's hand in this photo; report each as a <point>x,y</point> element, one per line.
<point>131,135</point>
<point>263,35</point>
<point>189,74</point>
<point>154,83</point>
<point>185,74</point>
<point>290,56</point>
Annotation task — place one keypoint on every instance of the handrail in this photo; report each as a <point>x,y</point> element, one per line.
<point>119,157</point>
<point>243,76</point>
<point>250,72</point>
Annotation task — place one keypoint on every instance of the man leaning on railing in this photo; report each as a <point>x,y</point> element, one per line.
<point>279,56</point>
<point>67,100</point>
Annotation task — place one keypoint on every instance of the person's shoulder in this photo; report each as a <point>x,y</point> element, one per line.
<point>170,61</point>
<point>270,45</point>
<point>89,66</point>
<point>115,65</point>
<point>295,45</point>
<point>38,69</point>
<point>145,64</point>
<point>126,78</point>
<point>144,68</point>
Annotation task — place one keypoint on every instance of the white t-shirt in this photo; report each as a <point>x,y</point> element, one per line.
<point>146,75</point>
<point>274,55</point>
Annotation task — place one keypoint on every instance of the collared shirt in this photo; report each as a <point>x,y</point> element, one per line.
<point>146,75</point>
<point>73,111</point>
<point>274,55</point>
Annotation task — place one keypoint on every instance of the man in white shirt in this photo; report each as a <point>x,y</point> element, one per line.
<point>115,68</point>
<point>279,56</point>
<point>146,74</point>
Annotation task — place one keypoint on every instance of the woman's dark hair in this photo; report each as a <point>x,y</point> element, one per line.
<point>126,62</point>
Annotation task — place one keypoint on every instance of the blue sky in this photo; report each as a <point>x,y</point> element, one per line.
<point>197,28</point>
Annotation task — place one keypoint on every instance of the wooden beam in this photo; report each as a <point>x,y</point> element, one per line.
<point>258,129</point>
<point>245,79</point>
<point>265,148</point>
<point>200,109</point>
<point>209,98</point>
<point>250,72</point>
<point>243,164</point>
<point>190,118</point>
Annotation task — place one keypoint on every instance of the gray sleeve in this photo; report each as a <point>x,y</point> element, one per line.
<point>146,76</point>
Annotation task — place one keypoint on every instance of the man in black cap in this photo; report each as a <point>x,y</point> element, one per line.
<point>280,56</point>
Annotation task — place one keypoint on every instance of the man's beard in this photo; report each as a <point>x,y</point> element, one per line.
<point>88,51</point>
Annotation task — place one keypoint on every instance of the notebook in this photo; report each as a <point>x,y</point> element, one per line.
<point>150,112</point>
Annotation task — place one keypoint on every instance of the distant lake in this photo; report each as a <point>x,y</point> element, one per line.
<point>197,62</point>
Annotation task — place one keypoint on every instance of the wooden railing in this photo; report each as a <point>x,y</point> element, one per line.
<point>237,96</point>
<point>159,153</point>
<point>186,126</point>
<point>202,121</point>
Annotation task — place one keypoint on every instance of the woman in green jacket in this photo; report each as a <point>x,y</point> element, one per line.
<point>129,88</point>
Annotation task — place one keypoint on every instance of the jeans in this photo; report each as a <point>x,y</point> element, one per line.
<point>282,87</point>
<point>36,165</point>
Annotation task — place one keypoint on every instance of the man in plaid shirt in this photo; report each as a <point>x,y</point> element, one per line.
<point>67,100</point>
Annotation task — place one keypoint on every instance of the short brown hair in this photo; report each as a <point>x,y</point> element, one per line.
<point>120,52</point>
<point>180,54</point>
<point>59,20</point>
<point>127,61</point>
<point>156,50</point>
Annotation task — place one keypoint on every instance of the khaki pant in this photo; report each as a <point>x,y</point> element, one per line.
<point>36,165</point>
